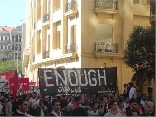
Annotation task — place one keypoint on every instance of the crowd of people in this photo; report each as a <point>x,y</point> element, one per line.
<point>127,104</point>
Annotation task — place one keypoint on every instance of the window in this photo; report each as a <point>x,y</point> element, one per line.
<point>0,46</point>
<point>104,33</point>
<point>73,35</point>
<point>20,38</point>
<point>58,35</point>
<point>16,38</point>
<point>5,38</point>
<point>12,56</point>
<point>19,48</point>
<point>16,47</point>
<point>13,38</point>
<point>13,47</point>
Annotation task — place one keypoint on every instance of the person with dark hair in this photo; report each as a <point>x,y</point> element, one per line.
<point>104,107</point>
<point>94,109</point>
<point>148,109</point>
<point>121,109</point>
<point>75,104</point>
<point>143,100</point>
<point>9,108</point>
<point>113,109</point>
<point>64,108</point>
<point>79,112</point>
<point>22,108</point>
<point>135,107</point>
<point>56,108</point>
<point>126,102</point>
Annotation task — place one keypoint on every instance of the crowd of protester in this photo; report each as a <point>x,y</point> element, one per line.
<point>127,104</point>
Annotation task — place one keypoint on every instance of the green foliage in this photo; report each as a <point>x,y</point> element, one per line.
<point>140,52</point>
<point>10,65</point>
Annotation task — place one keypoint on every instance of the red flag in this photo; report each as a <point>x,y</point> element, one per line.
<point>16,84</point>
<point>7,75</point>
<point>24,84</point>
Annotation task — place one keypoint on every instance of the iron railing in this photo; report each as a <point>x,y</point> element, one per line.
<point>71,5</point>
<point>106,47</point>
<point>70,48</point>
<point>106,4</point>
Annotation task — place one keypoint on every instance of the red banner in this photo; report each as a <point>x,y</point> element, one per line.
<point>23,84</point>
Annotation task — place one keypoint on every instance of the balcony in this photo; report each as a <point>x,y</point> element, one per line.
<point>25,57</point>
<point>45,54</point>
<point>71,9</point>
<point>107,50</point>
<point>106,6</point>
<point>46,19</point>
<point>70,48</point>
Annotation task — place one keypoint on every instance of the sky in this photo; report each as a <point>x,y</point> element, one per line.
<point>11,12</point>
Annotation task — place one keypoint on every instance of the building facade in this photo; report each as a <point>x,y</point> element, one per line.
<point>10,42</point>
<point>81,34</point>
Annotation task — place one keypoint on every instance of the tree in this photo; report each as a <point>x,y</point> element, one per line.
<point>140,52</point>
<point>7,65</point>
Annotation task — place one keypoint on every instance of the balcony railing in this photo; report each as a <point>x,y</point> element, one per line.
<point>106,4</point>
<point>46,17</point>
<point>106,47</point>
<point>45,54</point>
<point>152,7</point>
<point>71,5</point>
<point>70,48</point>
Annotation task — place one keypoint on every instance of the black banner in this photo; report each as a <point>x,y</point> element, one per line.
<point>77,80</point>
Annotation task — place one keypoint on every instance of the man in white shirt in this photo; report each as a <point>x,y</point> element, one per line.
<point>132,92</point>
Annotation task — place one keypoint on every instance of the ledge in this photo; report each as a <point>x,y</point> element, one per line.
<point>45,23</point>
<point>71,13</point>
<point>108,55</point>
<point>106,11</point>
<point>50,60</point>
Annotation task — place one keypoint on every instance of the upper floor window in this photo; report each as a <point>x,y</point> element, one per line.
<point>13,37</point>
<point>104,33</point>
<point>20,37</point>
<point>16,47</point>
<point>16,38</point>
<point>12,46</point>
<point>5,38</point>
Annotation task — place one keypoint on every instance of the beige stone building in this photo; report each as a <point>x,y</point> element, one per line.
<point>74,34</point>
